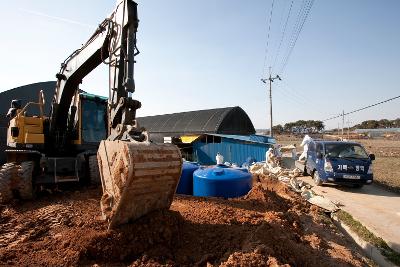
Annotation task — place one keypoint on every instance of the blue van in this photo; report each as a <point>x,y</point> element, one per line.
<point>339,162</point>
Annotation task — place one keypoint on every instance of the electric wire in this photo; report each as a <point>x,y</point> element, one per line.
<point>296,35</point>
<point>268,34</point>
<point>283,34</point>
<point>303,14</point>
<point>294,29</point>
<point>295,92</point>
<point>360,109</point>
<point>288,96</point>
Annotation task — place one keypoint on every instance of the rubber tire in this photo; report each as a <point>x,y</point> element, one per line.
<point>317,180</point>
<point>7,171</point>
<point>94,173</point>
<point>26,188</point>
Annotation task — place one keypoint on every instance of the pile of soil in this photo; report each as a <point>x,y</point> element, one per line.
<point>271,226</point>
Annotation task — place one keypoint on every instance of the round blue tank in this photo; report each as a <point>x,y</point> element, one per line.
<point>221,182</point>
<point>185,185</point>
<point>241,169</point>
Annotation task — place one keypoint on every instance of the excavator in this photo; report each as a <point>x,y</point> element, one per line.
<point>86,137</point>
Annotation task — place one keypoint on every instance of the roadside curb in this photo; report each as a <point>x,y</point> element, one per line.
<point>370,250</point>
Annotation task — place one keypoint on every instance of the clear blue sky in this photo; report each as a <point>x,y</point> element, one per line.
<point>208,54</point>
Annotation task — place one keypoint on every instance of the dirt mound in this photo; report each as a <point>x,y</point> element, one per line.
<point>271,226</point>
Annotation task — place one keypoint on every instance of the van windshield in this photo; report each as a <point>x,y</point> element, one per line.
<point>343,150</point>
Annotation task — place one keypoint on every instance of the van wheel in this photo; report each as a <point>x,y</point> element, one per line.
<point>317,179</point>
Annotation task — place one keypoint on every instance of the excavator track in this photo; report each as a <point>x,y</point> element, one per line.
<point>137,178</point>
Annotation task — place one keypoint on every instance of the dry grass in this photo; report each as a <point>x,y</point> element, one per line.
<point>387,172</point>
<point>382,148</point>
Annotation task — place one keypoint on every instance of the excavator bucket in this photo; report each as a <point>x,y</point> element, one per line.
<point>137,178</point>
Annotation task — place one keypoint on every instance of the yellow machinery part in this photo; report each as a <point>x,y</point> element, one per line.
<point>31,138</point>
<point>30,130</point>
<point>188,139</point>
<point>137,178</point>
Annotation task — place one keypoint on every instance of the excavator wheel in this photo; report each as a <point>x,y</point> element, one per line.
<point>26,188</point>
<point>94,173</point>
<point>137,178</point>
<point>7,172</point>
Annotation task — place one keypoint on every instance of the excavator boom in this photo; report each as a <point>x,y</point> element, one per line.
<point>137,176</point>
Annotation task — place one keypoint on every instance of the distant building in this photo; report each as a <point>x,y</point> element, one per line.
<point>202,134</point>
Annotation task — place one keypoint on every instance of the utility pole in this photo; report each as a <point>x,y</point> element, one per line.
<point>348,129</point>
<point>271,80</point>
<point>342,125</point>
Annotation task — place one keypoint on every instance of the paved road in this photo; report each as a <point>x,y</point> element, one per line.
<point>376,208</point>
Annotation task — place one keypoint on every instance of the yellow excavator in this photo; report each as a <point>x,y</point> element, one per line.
<point>86,136</point>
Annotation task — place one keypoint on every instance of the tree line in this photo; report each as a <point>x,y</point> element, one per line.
<point>375,124</point>
<point>300,126</point>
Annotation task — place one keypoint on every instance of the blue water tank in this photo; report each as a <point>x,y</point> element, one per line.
<point>221,182</point>
<point>243,169</point>
<point>185,185</point>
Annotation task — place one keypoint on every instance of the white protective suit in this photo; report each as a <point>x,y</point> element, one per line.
<point>219,158</point>
<point>306,142</point>
<point>269,158</point>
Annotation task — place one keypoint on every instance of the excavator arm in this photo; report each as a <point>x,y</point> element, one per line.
<point>113,43</point>
<point>137,176</point>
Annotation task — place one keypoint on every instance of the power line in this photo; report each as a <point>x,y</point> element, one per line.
<point>268,33</point>
<point>295,29</point>
<point>288,96</point>
<point>296,33</point>
<point>296,93</point>
<point>357,110</point>
<point>283,34</point>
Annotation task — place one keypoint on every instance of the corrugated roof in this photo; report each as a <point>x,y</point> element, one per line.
<point>230,120</point>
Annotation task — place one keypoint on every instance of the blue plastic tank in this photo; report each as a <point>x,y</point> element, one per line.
<point>185,185</point>
<point>221,182</point>
<point>243,169</point>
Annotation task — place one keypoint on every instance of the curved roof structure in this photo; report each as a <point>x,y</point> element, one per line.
<point>230,120</point>
<point>27,93</point>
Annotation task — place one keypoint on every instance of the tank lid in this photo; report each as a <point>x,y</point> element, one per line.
<point>221,173</point>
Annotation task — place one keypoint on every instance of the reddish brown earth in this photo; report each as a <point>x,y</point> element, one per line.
<point>271,226</point>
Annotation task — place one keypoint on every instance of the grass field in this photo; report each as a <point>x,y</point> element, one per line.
<point>387,163</point>
<point>387,172</point>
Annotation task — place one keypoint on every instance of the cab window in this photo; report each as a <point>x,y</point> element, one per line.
<point>94,121</point>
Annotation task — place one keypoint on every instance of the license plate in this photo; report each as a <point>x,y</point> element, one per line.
<point>349,176</point>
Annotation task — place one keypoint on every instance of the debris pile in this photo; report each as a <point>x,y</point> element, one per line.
<point>264,172</point>
<point>270,226</point>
